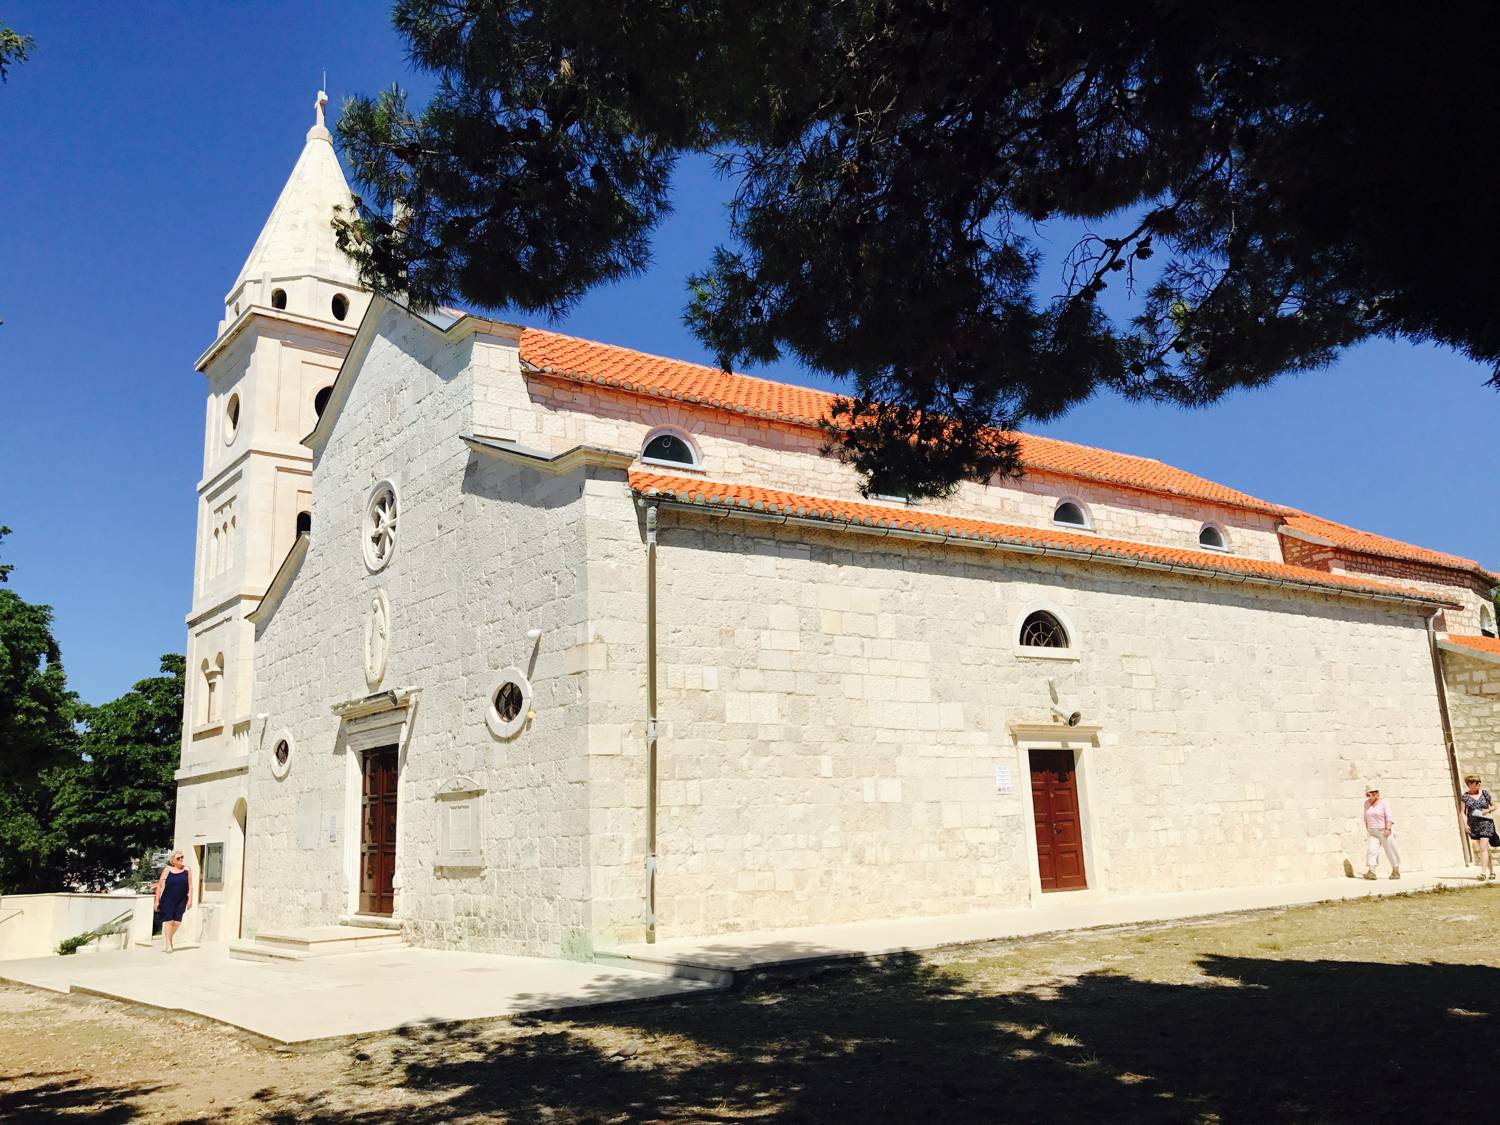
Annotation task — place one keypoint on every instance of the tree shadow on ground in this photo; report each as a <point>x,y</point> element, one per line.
<point>1255,1040</point>
<point>60,1095</point>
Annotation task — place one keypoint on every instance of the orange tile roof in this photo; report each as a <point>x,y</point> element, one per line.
<point>983,532</point>
<point>1487,645</point>
<point>1367,543</point>
<point>639,373</point>
<point>633,372</point>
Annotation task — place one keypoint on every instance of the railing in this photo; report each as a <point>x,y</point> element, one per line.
<point>6,916</point>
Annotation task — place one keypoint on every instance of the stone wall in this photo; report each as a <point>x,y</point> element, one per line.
<point>833,712</point>
<point>485,552</point>
<point>1473,684</point>
<point>1471,592</point>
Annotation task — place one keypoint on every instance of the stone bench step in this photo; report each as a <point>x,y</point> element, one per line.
<point>316,941</point>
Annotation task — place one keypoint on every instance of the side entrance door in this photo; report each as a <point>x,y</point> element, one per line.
<point>1059,829</point>
<point>377,840</point>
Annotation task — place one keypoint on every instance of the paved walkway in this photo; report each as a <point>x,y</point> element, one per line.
<point>742,952</point>
<point>333,997</point>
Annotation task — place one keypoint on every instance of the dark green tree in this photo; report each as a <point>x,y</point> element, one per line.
<point>117,803</point>
<point>14,48</point>
<point>38,742</point>
<point>1267,184</point>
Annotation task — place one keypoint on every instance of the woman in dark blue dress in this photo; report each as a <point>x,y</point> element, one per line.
<point>174,894</point>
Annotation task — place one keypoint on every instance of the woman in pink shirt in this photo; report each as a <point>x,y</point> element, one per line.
<point>1378,826</point>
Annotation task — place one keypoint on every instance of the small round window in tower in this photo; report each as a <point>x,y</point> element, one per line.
<point>340,306</point>
<point>278,298</point>
<point>231,418</point>
<point>509,703</point>
<point>281,755</point>
<point>1042,630</point>
<point>380,526</point>
<point>320,400</point>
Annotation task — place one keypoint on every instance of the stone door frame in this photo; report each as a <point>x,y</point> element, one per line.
<point>1083,741</point>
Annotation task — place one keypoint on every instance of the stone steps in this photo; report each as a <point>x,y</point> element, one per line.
<point>317,941</point>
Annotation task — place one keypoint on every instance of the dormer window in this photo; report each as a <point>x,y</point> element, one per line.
<point>1212,537</point>
<point>1070,513</point>
<point>670,447</point>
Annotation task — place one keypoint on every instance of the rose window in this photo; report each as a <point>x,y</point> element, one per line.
<point>380,526</point>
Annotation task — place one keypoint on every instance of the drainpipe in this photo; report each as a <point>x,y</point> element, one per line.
<point>651,723</point>
<point>1442,698</point>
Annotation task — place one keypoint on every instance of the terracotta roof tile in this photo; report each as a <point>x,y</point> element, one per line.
<point>842,512</point>
<point>636,372</point>
<point>1488,645</point>
<point>639,373</point>
<point>1368,543</point>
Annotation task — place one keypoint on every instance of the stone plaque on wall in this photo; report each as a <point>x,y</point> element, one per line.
<point>460,824</point>
<point>308,823</point>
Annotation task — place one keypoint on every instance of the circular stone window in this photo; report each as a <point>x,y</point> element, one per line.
<point>509,703</point>
<point>231,417</point>
<point>380,526</point>
<point>281,755</point>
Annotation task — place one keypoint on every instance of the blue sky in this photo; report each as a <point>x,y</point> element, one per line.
<point>144,146</point>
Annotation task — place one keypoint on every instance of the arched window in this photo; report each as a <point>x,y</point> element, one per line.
<point>320,400</point>
<point>304,523</point>
<point>1070,514</point>
<point>1212,537</point>
<point>667,447</point>
<point>1486,621</point>
<point>278,298</point>
<point>1042,630</point>
<point>340,306</point>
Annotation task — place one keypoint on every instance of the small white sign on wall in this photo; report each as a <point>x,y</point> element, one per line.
<point>1002,779</point>
<point>333,828</point>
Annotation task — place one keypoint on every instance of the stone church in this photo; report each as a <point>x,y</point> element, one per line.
<point>528,643</point>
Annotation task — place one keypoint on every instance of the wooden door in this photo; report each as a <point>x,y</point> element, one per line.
<point>1059,829</point>
<point>377,840</point>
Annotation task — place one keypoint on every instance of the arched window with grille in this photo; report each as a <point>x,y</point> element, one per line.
<point>1070,513</point>
<point>1042,630</point>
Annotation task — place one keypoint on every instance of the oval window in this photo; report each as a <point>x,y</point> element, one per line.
<point>509,704</point>
<point>231,417</point>
<point>340,306</point>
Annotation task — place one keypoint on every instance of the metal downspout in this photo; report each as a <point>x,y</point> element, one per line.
<point>1442,697</point>
<point>651,723</point>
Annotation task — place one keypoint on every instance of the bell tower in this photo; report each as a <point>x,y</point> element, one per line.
<point>289,319</point>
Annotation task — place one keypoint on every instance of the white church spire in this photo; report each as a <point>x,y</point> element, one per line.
<point>297,243</point>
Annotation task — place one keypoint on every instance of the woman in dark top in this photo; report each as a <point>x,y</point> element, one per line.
<point>174,894</point>
<point>1480,808</point>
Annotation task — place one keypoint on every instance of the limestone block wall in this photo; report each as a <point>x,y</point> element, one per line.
<point>834,710</point>
<point>1473,685</point>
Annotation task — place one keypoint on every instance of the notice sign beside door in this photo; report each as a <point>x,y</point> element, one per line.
<point>1002,779</point>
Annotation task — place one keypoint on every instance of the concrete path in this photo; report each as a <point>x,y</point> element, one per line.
<point>354,994</point>
<point>742,952</point>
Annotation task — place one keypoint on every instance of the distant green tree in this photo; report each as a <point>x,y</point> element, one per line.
<point>14,48</point>
<point>38,741</point>
<point>117,802</point>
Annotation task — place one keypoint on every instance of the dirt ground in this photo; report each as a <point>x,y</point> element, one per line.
<point>1371,1011</point>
